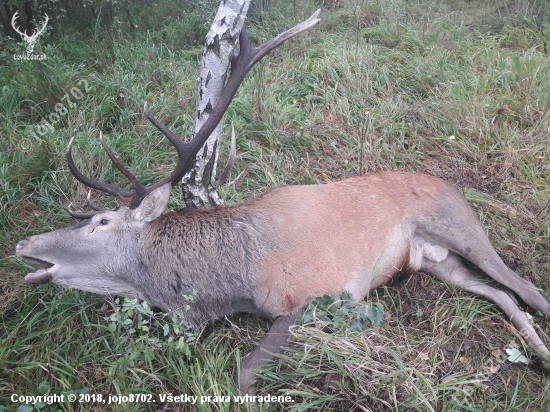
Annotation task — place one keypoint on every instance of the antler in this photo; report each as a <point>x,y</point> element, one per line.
<point>241,62</point>
<point>91,205</point>
<point>119,193</point>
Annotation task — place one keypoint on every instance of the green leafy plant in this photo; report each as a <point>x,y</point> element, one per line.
<point>132,322</point>
<point>341,312</point>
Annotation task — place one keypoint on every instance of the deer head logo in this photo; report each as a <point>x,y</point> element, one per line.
<point>30,40</point>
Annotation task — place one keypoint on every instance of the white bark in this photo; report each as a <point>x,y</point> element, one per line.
<point>221,41</point>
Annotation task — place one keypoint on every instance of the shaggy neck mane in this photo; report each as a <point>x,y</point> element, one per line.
<point>214,252</point>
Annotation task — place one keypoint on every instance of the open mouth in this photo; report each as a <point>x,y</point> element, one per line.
<point>42,275</point>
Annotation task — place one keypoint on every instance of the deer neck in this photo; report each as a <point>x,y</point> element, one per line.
<point>207,259</point>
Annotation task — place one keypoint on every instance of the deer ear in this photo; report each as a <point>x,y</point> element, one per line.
<point>153,204</point>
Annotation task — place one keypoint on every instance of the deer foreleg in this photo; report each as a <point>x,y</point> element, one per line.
<point>272,344</point>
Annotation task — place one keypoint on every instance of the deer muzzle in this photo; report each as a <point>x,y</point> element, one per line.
<point>43,274</point>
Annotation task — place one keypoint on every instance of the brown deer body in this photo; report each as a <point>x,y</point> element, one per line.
<point>271,256</point>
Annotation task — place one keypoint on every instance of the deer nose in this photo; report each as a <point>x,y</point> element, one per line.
<point>21,245</point>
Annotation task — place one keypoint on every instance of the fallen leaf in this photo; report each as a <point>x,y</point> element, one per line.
<point>515,356</point>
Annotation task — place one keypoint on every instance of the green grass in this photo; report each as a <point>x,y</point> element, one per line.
<point>457,89</point>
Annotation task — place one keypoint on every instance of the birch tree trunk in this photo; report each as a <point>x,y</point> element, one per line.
<point>220,44</point>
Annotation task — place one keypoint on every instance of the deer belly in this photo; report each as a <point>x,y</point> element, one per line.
<point>290,280</point>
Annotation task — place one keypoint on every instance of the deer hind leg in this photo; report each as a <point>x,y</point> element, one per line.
<point>453,271</point>
<point>467,239</point>
<point>492,265</point>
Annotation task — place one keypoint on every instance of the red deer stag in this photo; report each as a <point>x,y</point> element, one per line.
<point>271,256</point>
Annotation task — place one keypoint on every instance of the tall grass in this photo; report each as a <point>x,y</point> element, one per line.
<point>457,89</point>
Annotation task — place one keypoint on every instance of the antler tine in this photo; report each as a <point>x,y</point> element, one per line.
<point>78,215</point>
<point>133,180</point>
<point>230,161</point>
<point>118,192</point>
<point>92,205</point>
<point>255,54</point>
<point>88,215</point>
<point>182,148</point>
<point>175,140</point>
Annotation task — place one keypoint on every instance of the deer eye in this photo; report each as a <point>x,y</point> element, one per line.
<point>104,222</point>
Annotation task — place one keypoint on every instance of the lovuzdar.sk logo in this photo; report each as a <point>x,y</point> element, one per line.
<point>30,40</point>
